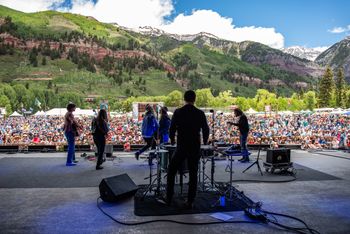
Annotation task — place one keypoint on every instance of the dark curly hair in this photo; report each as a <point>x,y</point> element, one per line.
<point>70,106</point>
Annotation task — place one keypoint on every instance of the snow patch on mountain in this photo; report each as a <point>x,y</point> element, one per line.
<point>305,53</point>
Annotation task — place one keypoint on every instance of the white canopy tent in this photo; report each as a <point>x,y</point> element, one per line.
<point>16,114</point>
<point>338,111</point>
<point>324,109</point>
<point>40,113</point>
<point>305,111</point>
<point>63,111</point>
<point>251,111</point>
<point>85,112</point>
<point>287,112</point>
<point>56,111</point>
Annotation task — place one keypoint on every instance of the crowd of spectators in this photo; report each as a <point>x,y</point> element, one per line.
<point>311,131</point>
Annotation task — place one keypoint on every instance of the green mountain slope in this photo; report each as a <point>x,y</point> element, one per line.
<point>80,53</point>
<point>337,56</point>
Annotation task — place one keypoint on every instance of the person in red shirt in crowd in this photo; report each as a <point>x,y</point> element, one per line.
<point>36,139</point>
<point>127,146</point>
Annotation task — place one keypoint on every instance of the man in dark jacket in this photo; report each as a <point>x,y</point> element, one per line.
<point>243,127</point>
<point>187,121</point>
<point>164,125</point>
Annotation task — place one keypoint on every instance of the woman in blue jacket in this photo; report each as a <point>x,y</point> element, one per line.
<point>149,130</point>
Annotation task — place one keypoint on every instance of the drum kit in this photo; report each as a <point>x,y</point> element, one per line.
<point>163,155</point>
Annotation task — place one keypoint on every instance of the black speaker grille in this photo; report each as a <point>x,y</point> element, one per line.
<point>117,187</point>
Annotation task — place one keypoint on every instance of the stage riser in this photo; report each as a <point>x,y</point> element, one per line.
<point>87,148</point>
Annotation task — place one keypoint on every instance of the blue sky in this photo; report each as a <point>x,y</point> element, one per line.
<point>277,23</point>
<point>302,22</point>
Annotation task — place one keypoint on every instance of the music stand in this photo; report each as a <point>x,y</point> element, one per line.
<point>255,162</point>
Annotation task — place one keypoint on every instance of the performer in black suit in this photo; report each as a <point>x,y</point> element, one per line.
<point>187,121</point>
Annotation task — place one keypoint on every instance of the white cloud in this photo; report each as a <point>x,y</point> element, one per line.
<point>130,13</point>
<point>29,5</point>
<point>339,29</point>
<point>135,13</point>
<point>211,22</point>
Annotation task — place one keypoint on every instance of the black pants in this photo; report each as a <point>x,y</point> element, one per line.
<point>192,156</point>
<point>150,142</point>
<point>100,142</point>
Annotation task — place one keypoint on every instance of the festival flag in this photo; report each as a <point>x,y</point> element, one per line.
<point>37,103</point>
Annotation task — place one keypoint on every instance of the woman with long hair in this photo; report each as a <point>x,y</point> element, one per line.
<point>99,134</point>
<point>71,130</point>
<point>243,127</point>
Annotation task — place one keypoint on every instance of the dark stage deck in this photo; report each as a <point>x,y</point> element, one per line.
<point>39,194</point>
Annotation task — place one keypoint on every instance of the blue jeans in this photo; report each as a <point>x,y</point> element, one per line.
<point>164,138</point>
<point>243,141</point>
<point>71,146</point>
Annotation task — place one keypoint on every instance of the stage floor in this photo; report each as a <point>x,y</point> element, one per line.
<point>39,194</point>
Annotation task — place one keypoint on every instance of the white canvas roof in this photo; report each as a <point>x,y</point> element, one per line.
<point>40,113</point>
<point>251,111</point>
<point>86,112</point>
<point>63,111</point>
<point>16,114</point>
<point>56,111</point>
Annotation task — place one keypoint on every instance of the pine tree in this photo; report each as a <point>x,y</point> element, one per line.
<point>43,61</point>
<point>340,94</point>
<point>326,88</point>
<point>33,57</point>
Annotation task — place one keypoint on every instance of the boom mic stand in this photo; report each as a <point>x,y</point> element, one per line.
<point>212,171</point>
<point>256,162</point>
<point>158,178</point>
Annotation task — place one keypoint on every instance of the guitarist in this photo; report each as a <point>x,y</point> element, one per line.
<point>243,127</point>
<point>71,130</point>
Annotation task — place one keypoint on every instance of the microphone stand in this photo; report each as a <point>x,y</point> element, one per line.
<point>256,162</point>
<point>212,158</point>
<point>158,179</point>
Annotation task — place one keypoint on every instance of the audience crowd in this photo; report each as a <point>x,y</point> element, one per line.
<point>311,131</point>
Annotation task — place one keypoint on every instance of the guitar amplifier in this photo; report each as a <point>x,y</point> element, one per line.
<point>277,156</point>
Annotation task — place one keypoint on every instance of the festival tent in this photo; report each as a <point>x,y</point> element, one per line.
<point>56,111</point>
<point>305,111</point>
<point>16,114</point>
<point>86,112</point>
<point>324,109</point>
<point>285,112</point>
<point>251,111</point>
<point>338,111</point>
<point>40,113</point>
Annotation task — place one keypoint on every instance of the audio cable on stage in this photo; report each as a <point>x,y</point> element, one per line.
<point>257,215</point>
<point>168,220</point>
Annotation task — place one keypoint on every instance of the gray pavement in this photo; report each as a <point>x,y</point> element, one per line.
<point>324,205</point>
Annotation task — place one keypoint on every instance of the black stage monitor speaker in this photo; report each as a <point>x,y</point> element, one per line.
<point>118,187</point>
<point>276,156</point>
